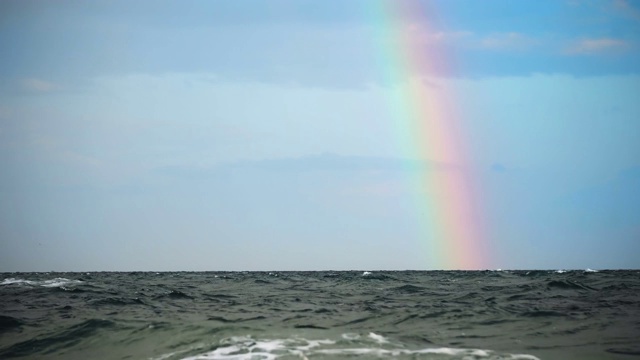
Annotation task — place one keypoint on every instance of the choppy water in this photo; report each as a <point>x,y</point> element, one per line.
<point>321,315</point>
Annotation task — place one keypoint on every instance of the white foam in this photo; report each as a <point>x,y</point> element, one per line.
<point>590,270</point>
<point>57,282</point>
<point>351,336</point>
<point>366,273</point>
<point>9,281</point>
<point>166,356</point>
<point>397,352</point>
<point>561,271</point>
<point>378,338</point>
<point>247,348</point>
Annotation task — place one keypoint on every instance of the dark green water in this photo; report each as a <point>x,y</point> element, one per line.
<point>321,315</point>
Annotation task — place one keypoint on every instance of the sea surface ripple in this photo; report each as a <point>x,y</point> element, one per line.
<point>578,314</point>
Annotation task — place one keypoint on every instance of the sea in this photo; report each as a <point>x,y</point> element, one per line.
<point>577,314</point>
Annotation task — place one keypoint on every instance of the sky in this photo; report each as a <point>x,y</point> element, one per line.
<point>319,135</point>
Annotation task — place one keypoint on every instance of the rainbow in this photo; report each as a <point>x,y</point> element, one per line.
<point>426,125</point>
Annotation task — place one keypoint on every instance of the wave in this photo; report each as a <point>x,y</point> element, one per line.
<point>174,294</point>
<point>8,322</point>
<point>349,345</point>
<point>568,284</point>
<point>57,282</point>
<point>57,341</point>
<point>422,315</point>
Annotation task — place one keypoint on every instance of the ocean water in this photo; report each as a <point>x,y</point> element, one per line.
<point>321,315</point>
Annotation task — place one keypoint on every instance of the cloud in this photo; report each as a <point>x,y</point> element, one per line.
<point>597,46</point>
<point>437,37</point>
<point>626,9</point>
<point>506,41</point>
<point>38,85</point>
<point>447,36</point>
<point>499,41</point>
<point>323,162</point>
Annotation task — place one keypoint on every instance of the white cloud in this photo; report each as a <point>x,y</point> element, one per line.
<point>38,85</point>
<point>422,33</point>
<point>506,41</point>
<point>626,9</point>
<point>468,39</point>
<point>596,46</point>
<point>442,36</point>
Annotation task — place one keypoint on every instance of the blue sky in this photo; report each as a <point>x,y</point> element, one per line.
<point>252,135</point>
